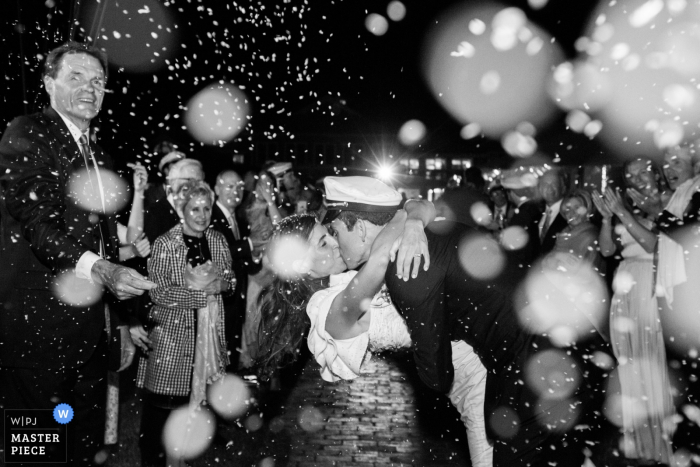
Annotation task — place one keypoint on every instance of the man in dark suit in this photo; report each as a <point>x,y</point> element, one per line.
<point>52,349</point>
<point>527,217</point>
<point>552,186</point>
<point>245,253</point>
<point>446,303</point>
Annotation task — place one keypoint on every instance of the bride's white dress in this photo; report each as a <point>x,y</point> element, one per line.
<point>343,359</point>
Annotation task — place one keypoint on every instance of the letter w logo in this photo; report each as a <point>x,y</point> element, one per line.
<point>63,413</point>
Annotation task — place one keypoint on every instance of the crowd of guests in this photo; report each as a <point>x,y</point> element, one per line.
<point>206,254</point>
<point>640,236</point>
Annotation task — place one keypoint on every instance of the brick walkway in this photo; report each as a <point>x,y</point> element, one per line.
<point>385,418</point>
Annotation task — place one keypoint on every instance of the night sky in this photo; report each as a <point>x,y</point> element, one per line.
<point>306,67</point>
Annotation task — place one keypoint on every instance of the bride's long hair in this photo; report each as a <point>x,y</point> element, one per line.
<point>284,323</point>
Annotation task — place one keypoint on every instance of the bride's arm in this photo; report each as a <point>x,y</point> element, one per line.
<point>353,302</point>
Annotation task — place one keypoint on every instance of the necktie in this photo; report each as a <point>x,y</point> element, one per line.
<point>545,224</point>
<point>96,188</point>
<point>234,227</point>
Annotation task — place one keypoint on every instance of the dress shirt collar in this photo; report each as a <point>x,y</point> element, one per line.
<point>73,128</point>
<point>224,209</point>
<point>554,209</point>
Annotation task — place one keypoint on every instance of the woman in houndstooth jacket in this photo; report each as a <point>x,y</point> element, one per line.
<point>177,261</point>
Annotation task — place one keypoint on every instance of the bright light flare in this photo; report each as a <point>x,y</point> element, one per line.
<point>385,172</point>
<point>188,433</point>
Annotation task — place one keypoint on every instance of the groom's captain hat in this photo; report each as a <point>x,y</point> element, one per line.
<point>363,194</point>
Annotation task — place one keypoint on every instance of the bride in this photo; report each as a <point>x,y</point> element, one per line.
<point>348,315</point>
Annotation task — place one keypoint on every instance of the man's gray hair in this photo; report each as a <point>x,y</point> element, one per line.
<point>178,169</point>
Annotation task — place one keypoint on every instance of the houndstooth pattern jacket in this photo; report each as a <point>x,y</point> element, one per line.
<point>168,367</point>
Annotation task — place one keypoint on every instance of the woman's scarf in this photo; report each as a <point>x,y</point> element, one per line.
<point>209,361</point>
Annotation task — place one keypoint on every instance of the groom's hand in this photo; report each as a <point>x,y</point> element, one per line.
<point>408,249</point>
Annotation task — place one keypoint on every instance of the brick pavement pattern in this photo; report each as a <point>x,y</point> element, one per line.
<point>385,418</point>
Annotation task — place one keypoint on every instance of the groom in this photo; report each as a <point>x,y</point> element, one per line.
<point>446,304</point>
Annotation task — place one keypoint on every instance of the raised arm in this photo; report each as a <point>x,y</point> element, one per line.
<point>605,237</point>
<point>135,227</point>
<point>645,237</point>
<point>349,306</point>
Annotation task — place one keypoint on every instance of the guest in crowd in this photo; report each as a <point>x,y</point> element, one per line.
<point>679,275</point>
<point>552,186</point>
<point>523,243</point>
<point>133,242</point>
<point>246,249</point>
<point>191,265</point>
<point>53,351</point>
<point>635,327</point>
<point>578,241</point>
<point>311,201</point>
<point>501,209</point>
<point>456,204</point>
<point>158,190</point>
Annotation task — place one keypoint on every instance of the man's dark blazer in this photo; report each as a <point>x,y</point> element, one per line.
<point>550,238</point>
<point>43,233</point>
<point>243,264</point>
<point>527,216</point>
<point>447,304</point>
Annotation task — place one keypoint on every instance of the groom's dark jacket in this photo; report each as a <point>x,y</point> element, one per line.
<point>449,303</point>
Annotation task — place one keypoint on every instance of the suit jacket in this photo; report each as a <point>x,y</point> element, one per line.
<point>527,216</point>
<point>241,255</point>
<point>446,304</point>
<point>550,238</point>
<point>44,233</point>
